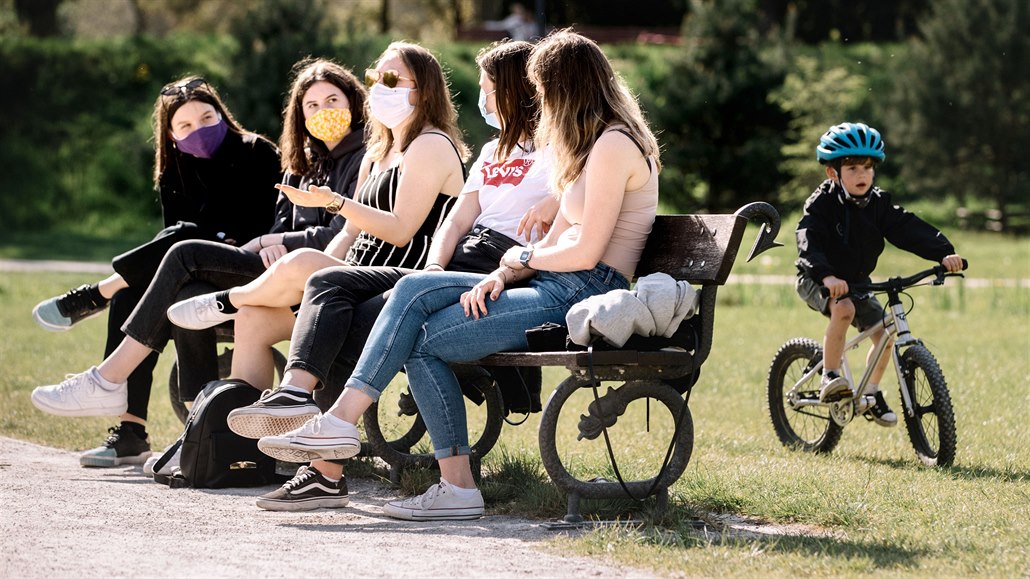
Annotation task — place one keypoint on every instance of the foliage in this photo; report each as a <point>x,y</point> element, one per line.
<point>76,116</point>
<point>962,113</point>
<point>720,130</point>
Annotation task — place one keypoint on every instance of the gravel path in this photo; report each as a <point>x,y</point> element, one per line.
<point>60,520</point>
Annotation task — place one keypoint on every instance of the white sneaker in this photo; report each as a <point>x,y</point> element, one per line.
<point>198,313</point>
<point>86,394</point>
<point>439,503</point>
<point>834,387</point>
<point>316,439</point>
<point>148,467</point>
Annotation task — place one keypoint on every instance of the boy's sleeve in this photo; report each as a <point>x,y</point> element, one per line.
<point>906,231</point>
<point>812,234</point>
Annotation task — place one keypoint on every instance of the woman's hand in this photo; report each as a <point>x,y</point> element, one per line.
<point>315,196</point>
<point>271,254</point>
<point>474,300</point>
<point>539,216</point>
<point>511,258</point>
<point>254,245</point>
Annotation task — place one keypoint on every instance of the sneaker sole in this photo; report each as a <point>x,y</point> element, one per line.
<point>469,514</point>
<point>295,505</point>
<point>288,453</point>
<point>50,327</point>
<point>102,411</point>
<point>836,395</point>
<point>110,461</point>
<point>254,425</point>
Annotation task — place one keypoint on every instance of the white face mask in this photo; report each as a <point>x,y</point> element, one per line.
<point>490,118</point>
<point>390,106</point>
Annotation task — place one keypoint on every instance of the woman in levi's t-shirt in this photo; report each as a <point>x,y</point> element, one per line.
<point>606,168</point>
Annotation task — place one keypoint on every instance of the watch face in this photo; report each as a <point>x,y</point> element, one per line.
<point>525,256</point>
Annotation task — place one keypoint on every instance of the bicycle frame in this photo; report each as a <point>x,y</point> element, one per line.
<point>896,326</point>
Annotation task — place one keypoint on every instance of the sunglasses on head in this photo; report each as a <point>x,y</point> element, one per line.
<point>184,88</point>
<point>387,77</point>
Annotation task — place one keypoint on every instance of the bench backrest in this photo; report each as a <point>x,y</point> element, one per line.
<point>700,249</point>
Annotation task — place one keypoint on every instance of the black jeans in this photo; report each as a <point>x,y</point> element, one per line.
<point>138,267</point>
<point>341,305</point>
<point>189,268</point>
<point>334,319</point>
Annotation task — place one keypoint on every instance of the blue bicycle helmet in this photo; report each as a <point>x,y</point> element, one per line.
<point>850,140</point>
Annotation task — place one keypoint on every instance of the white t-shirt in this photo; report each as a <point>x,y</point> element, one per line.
<point>508,189</point>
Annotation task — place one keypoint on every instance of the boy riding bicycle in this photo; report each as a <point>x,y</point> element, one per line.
<point>840,237</point>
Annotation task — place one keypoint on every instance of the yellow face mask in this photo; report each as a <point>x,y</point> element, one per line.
<point>329,125</point>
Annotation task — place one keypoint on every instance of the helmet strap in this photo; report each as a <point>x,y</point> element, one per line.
<point>847,196</point>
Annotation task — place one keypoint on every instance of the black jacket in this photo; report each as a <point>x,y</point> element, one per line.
<point>836,237</point>
<point>232,193</point>
<point>337,169</point>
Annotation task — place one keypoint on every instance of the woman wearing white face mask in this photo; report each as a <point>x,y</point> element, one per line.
<point>409,178</point>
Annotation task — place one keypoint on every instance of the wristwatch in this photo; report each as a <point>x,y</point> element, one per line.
<point>336,204</point>
<point>526,256</point>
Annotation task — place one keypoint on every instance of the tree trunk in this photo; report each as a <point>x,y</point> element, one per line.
<point>40,15</point>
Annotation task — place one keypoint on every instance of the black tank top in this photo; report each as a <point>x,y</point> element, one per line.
<point>380,191</point>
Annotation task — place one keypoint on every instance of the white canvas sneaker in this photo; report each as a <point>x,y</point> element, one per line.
<point>85,394</point>
<point>148,467</point>
<point>198,313</point>
<point>439,503</point>
<point>316,439</point>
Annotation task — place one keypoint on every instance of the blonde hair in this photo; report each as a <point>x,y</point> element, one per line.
<point>433,109</point>
<point>581,97</point>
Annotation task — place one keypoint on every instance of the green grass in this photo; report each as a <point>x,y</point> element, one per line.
<point>874,508</point>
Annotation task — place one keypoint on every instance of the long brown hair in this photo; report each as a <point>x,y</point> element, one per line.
<point>581,97</point>
<point>294,141</point>
<point>165,108</point>
<point>433,106</point>
<point>505,64</point>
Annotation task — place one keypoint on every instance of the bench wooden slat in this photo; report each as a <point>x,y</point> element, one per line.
<point>700,249</point>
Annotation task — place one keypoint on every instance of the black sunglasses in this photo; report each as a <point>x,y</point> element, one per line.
<point>387,77</point>
<point>183,88</point>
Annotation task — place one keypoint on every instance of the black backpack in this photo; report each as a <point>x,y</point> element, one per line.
<point>212,455</point>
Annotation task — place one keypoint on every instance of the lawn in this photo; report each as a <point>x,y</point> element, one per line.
<point>869,507</point>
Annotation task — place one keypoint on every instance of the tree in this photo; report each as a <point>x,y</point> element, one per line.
<point>721,130</point>
<point>963,108</point>
<point>40,15</point>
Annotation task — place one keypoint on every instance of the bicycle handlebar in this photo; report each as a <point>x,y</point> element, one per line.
<point>900,283</point>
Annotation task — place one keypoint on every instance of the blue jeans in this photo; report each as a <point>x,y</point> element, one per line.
<point>423,328</point>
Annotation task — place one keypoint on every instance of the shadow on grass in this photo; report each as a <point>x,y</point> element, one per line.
<point>968,472</point>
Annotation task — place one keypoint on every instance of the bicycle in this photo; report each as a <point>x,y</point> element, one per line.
<point>804,423</point>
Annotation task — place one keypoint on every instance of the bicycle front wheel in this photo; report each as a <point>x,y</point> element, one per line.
<point>931,427</point>
<point>799,422</point>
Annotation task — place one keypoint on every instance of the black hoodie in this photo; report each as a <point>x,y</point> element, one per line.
<point>836,237</point>
<point>337,169</point>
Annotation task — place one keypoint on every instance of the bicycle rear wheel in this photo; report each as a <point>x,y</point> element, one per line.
<point>799,426</point>
<point>932,427</point>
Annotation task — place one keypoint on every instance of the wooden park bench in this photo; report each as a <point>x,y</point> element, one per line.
<point>700,249</point>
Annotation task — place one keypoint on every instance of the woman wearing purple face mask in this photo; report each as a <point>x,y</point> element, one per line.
<point>215,181</point>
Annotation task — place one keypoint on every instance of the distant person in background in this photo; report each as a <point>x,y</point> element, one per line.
<point>520,24</point>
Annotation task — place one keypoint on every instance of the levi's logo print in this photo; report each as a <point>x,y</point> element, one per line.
<point>510,172</point>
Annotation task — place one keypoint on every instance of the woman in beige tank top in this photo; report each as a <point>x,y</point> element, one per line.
<point>606,167</point>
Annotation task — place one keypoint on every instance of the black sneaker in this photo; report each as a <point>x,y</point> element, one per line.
<point>880,413</point>
<point>123,446</point>
<point>62,312</point>
<point>306,491</point>
<point>277,412</point>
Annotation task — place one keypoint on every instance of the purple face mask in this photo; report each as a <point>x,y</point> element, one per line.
<point>204,142</point>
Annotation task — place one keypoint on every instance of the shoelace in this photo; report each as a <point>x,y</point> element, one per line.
<point>76,300</point>
<point>303,474</point>
<point>209,308</point>
<point>427,498</point>
<point>116,434</point>
<point>68,385</point>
